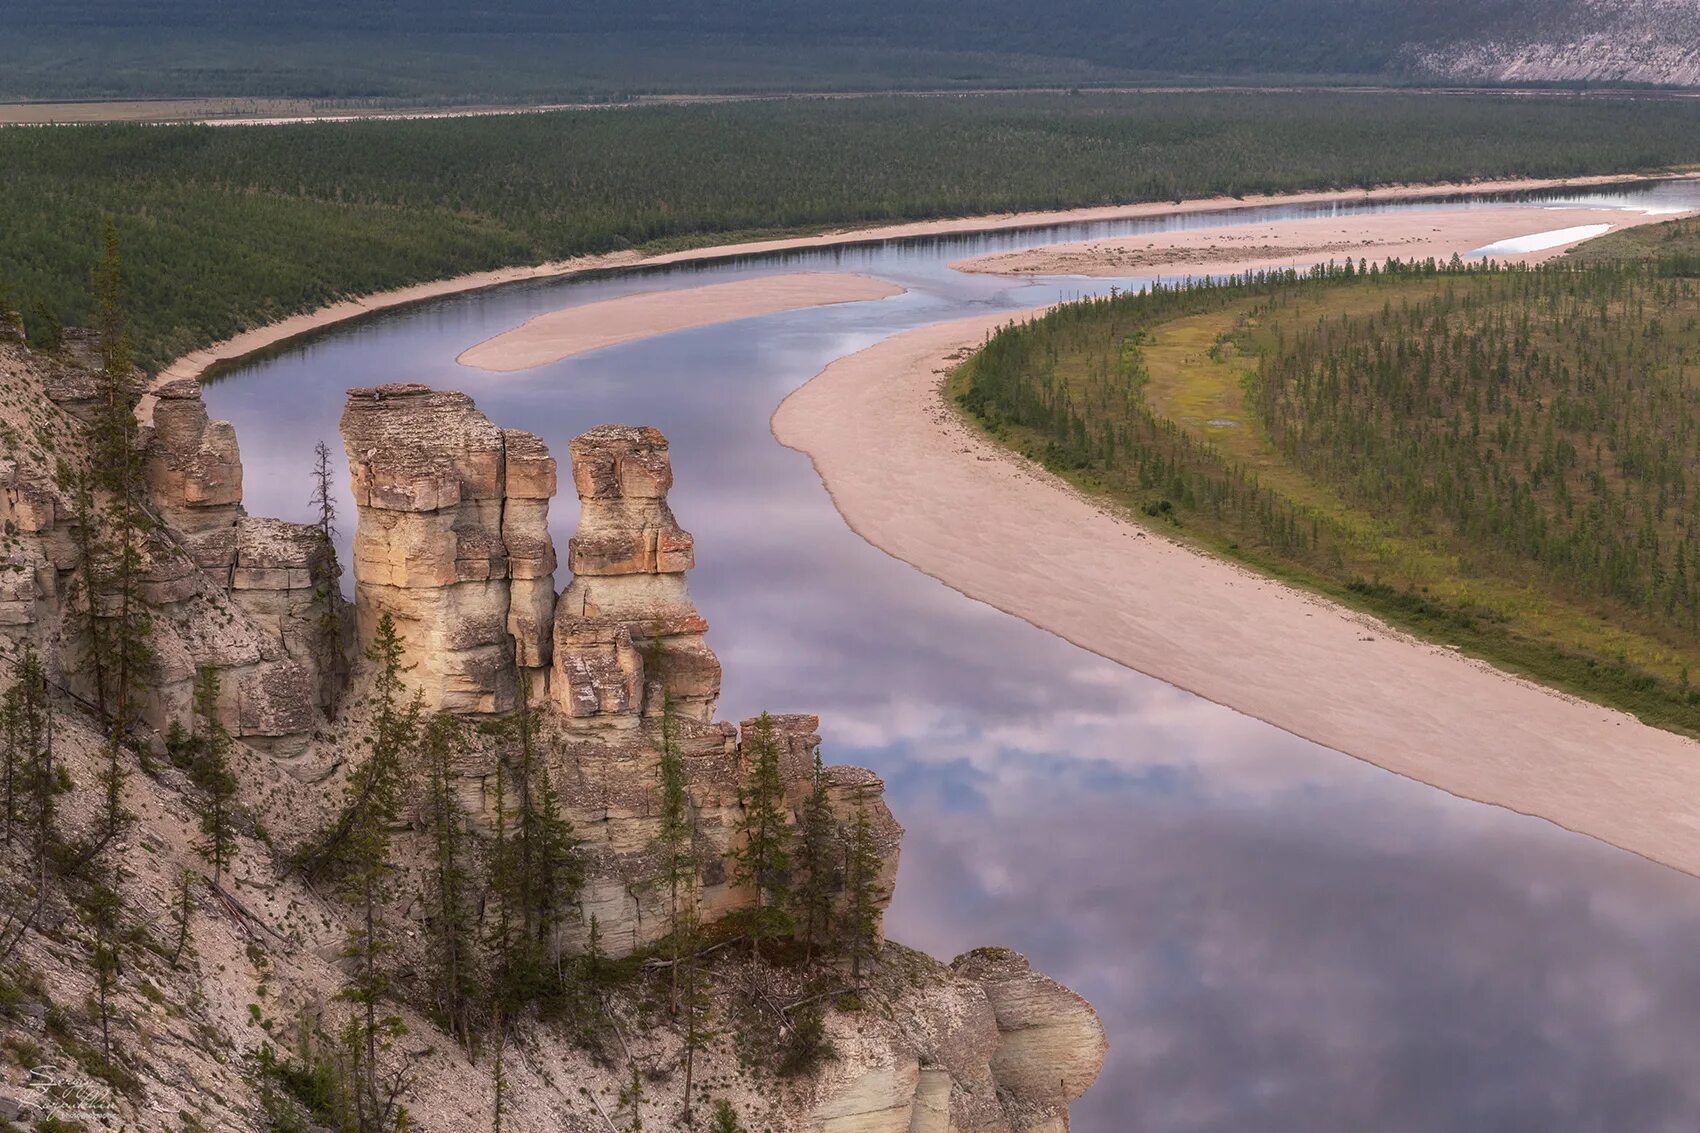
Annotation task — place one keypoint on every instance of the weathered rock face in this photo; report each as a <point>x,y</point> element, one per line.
<point>989,1047</point>
<point>452,542</point>
<point>255,598</point>
<point>627,638</point>
<point>246,596</point>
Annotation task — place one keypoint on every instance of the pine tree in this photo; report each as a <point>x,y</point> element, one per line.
<point>817,869</point>
<point>863,894</point>
<point>372,807</point>
<point>451,927</point>
<point>764,858</point>
<point>326,587</point>
<point>212,775</point>
<point>674,841</point>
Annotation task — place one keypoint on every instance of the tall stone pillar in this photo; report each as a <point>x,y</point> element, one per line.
<point>452,541</point>
<point>627,637</point>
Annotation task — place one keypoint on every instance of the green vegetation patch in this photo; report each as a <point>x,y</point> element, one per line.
<point>1503,460</point>
<point>226,228</point>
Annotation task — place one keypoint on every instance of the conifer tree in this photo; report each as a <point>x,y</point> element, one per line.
<point>764,857</point>
<point>323,500</point>
<point>694,999</point>
<point>673,846</point>
<point>817,869</point>
<point>182,907</point>
<point>104,909</point>
<point>372,806</point>
<point>863,893</point>
<point>451,927</point>
<point>118,618</point>
<point>211,773</point>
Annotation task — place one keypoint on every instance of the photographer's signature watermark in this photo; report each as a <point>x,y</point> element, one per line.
<point>52,1093</point>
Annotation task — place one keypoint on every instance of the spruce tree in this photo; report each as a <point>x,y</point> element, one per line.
<point>863,894</point>
<point>818,875</point>
<point>372,807</point>
<point>448,887</point>
<point>211,773</point>
<point>763,860</point>
<point>673,846</point>
<point>118,616</point>
<point>326,587</point>
<point>104,909</point>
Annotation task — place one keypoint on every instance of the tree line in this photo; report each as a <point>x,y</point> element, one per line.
<point>227,229</point>
<point>1535,427</point>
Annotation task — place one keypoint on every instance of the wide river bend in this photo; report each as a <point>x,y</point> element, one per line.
<point>1279,938</point>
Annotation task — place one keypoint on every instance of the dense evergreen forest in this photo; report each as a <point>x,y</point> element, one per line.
<point>225,229</point>
<point>1506,460</point>
<point>533,49</point>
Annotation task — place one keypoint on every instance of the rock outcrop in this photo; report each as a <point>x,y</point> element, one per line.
<point>627,638</point>
<point>248,597</point>
<point>453,543</point>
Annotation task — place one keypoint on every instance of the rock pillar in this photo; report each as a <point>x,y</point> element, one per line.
<point>452,542</point>
<point>627,637</point>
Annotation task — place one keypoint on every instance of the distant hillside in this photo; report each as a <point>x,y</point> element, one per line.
<point>1638,41</point>
<point>546,49</point>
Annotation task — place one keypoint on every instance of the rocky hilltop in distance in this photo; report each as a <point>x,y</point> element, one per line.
<point>1603,41</point>
<point>234,985</point>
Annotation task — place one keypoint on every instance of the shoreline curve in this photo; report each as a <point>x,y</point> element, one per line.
<point>196,363</point>
<point>908,475</point>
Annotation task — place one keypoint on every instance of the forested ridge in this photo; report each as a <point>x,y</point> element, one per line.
<point>225,229</point>
<point>531,49</point>
<point>1508,460</point>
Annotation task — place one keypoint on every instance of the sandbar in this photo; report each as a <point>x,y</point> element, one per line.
<point>912,478</point>
<point>259,339</point>
<point>561,334</point>
<point>1279,244</point>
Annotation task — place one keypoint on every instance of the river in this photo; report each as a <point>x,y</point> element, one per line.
<point>1279,938</point>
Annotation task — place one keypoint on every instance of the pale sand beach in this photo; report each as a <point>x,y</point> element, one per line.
<point>913,479</point>
<point>1280,244</point>
<point>575,330</point>
<point>197,363</point>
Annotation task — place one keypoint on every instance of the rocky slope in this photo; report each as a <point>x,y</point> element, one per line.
<point>1611,41</point>
<point>453,543</point>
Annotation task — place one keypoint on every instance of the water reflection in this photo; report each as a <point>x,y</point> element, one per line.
<point>1279,938</point>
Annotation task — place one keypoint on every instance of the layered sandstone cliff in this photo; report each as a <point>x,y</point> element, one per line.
<point>246,596</point>
<point>983,1046</point>
<point>452,542</point>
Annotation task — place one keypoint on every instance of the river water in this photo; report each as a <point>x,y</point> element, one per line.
<point>1279,938</point>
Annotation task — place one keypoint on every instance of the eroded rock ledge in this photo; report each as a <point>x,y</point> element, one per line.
<point>453,543</point>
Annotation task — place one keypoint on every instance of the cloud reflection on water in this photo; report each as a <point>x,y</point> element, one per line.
<point>1279,938</point>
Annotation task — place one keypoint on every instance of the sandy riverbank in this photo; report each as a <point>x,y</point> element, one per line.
<point>1280,244</point>
<point>912,479</point>
<point>195,364</point>
<point>576,330</point>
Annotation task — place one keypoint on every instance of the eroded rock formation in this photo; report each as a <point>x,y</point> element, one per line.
<point>452,542</point>
<point>245,596</point>
<point>627,638</point>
